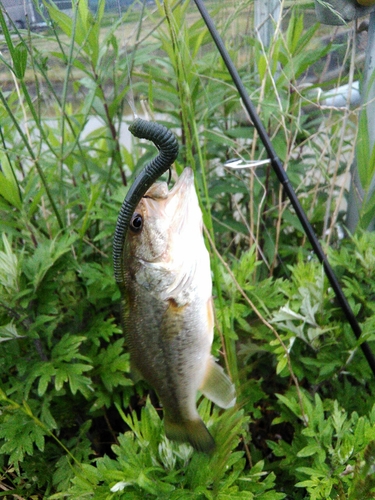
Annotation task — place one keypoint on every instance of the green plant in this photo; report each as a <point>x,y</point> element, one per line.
<point>72,423</point>
<point>149,466</point>
<point>364,198</point>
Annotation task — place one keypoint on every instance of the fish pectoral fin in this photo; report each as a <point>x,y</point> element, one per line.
<point>191,431</point>
<point>217,386</point>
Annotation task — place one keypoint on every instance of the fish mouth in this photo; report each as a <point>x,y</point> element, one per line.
<point>184,182</point>
<point>173,219</point>
<point>175,203</point>
<point>182,205</point>
<point>183,195</point>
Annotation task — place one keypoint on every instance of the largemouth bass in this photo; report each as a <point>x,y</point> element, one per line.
<point>167,308</point>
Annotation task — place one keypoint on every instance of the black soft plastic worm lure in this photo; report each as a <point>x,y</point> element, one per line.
<point>167,145</point>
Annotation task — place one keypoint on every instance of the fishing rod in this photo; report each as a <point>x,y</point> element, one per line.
<point>284,180</point>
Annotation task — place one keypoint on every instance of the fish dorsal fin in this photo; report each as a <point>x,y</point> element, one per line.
<point>217,387</point>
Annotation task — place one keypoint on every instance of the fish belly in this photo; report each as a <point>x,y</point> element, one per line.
<point>170,348</point>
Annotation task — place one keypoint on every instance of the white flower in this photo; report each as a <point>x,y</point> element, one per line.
<point>119,486</point>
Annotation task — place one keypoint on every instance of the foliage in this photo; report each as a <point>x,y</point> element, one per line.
<point>366,172</point>
<point>72,423</point>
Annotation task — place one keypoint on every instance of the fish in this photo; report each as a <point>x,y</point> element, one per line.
<point>167,309</point>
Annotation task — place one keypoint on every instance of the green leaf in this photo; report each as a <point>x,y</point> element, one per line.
<point>8,183</point>
<point>365,157</point>
<point>367,212</point>
<point>5,31</point>
<point>20,60</point>
<point>305,484</point>
<point>63,21</point>
<point>77,381</point>
<point>291,403</point>
<point>262,66</point>
<point>19,433</point>
<point>45,256</point>
<point>309,450</point>
<point>67,348</point>
<point>283,362</point>
<point>9,268</point>
<point>294,32</point>
<point>9,332</point>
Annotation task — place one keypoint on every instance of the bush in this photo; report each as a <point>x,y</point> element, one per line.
<point>73,424</point>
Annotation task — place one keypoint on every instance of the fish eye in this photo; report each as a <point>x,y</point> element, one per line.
<point>136,223</point>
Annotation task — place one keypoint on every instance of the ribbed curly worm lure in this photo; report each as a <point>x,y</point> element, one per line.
<point>167,144</point>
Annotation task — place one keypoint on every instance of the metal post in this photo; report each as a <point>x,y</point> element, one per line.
<point>357,193</point>
<point>266,15</point>
<point>369,87</point>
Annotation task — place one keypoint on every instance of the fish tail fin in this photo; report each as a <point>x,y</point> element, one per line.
<point>192,431</point>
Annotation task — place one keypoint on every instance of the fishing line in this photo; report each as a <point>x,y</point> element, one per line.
<point>284,180</point>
